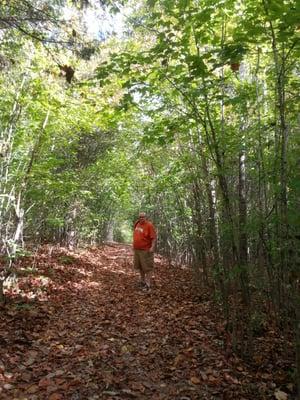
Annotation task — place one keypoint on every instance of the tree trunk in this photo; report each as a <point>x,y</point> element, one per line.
<point>243,241</point>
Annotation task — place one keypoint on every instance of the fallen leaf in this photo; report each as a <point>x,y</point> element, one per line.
<point>32,389</point>
<point>124,349</point>
<point>59,372</point>
<point>178,359</point>
<point>33,353</point>
<point>8,375</point>
<point>212,380</point>
<point>137,386</point>
<point>231,379</point>
<point>55,396</point>
<point>129,392</point>
<point>29,362</point>
<point>26,376</point>
<point>59,381</point>
<point>279,395</point>
<point>44,382</point>
<point>258,359</point>
<point>110,393</point>
<point>8,386</point>
<point>195,380</point>
<point>203,376</point>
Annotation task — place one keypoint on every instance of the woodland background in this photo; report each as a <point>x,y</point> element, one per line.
<point>188,111</point>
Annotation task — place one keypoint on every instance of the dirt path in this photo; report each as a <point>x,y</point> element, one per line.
<point>86,332</point>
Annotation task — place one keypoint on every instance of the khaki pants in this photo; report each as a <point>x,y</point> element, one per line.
<point>143,260</point>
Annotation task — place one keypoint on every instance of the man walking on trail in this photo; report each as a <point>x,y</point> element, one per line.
<point>144,239</point>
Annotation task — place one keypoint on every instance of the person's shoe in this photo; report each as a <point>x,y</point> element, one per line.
<point>146,288</point>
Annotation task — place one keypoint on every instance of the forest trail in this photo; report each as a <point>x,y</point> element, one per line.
<point>84,331</point>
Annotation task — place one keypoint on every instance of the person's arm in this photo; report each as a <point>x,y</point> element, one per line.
<point>152,245</point>
<point>153,238</point>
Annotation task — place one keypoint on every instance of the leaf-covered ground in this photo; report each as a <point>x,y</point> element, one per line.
<point>77,327</point>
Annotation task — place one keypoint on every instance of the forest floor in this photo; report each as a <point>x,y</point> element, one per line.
<point>77,327</point>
